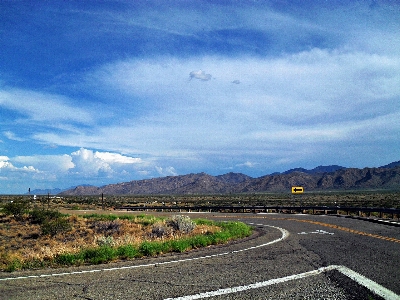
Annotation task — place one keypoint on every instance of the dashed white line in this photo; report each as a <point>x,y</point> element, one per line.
<point>371,285</point>
<point>284,232</point>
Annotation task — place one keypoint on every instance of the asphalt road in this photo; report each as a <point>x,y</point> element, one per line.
<point>288,257</point>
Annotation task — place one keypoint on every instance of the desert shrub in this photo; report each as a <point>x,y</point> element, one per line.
<point>105,241</point>
<point>182,223</point>
<point>16,208</point>
<point>160,231</point>
<point>39,216</point>
<point>107,227</point>
<point>56,226</point>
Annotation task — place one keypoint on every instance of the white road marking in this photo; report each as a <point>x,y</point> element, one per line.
<point>284,232</point>
<point>369,284</point>
<point>318,231</point>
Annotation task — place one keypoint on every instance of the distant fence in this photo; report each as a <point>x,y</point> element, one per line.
<point>269,209</point>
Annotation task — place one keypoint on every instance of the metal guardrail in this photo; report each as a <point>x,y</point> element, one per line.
<point>326,209</point>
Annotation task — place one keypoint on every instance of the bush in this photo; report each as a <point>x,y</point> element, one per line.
<point>105,241</point>
<point>17,209</point>
<point>160,231</point>
<point>55,226</point>
<point>107,227</point>
<point>182,223</point>
<point>40,216</point>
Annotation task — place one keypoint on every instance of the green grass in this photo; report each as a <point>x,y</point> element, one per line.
<point>145,220</point>
<point>108,253</point>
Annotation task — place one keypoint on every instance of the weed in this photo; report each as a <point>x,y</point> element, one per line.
<point>181,223</point>
<point>100,217</point>
<point>160,231</point>
<point>119,239</point>
<point>127,251</point>
<point>55,226</point>
<point>39,216</point>
<point>107,227</point>
<point>203,222</point>
<point>99,255</point>
<point>67,259</point>
<point>180,245</point>
<point>14,265</point>
<point>149,248</point>
<point>16,208</point>
<point>105,241</point>
<point>199,241</point>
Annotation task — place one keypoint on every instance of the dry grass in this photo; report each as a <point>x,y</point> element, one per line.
<point>23,241</point>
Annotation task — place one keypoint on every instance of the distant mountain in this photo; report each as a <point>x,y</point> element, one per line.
<point>54,191</point>
<point>233,177</point>
<point>200,183</point>
<point>319,178</point>
<point>46,191</point>
<point>392,165</point>
<point>319,169</point>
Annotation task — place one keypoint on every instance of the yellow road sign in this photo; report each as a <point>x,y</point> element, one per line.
<point>297,190</point>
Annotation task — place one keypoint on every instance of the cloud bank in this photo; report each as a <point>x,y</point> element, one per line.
<point>140,91</point>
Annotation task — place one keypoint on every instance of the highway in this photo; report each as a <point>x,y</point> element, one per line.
<point>288,257</point>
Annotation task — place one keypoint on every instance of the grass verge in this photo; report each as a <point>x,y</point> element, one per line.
<point>107,251</point>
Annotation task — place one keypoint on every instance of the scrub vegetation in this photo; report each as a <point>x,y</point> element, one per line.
<point>41,237</point>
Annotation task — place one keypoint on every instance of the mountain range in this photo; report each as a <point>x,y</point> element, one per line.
<point>320,178</point>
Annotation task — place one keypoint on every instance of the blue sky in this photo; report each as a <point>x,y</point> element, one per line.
<point>98,92</point>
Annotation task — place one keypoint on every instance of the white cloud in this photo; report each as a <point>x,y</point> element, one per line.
<point>89,163</point>
<point>168,171</point>
<point>78,167</point>
<point>8,168</point>
<point>42,107</point>
<point>57,164</point>
<point>248,164</point>
<point>200,75</point>
<point>115,158</point>
<point>4,158</point>
<point>307,99</point>
<point>11,136</point>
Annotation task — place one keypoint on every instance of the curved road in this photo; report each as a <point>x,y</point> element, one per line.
<point>289,257</point>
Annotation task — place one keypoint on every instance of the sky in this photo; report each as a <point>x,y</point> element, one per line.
<point>100,92</point>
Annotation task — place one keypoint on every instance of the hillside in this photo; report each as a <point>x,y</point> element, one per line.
<point>202,183</point>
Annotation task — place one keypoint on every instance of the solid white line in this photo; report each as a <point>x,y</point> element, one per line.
<point>248,287</point>
<point>368,283</point>
<point>371,285</point>
<point>284,232</point>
